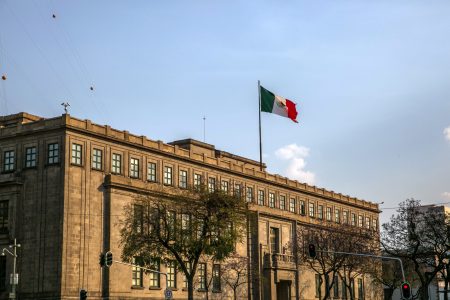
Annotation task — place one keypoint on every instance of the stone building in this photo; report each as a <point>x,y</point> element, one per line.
<point>64,183</point>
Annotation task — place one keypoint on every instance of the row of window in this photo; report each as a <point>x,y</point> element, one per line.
<point>340,288</point>
<point>171,269</point>
<point>314,210</point>
<point>9,157</point>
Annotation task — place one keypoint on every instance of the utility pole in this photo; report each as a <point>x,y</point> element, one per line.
<point>14,279</point>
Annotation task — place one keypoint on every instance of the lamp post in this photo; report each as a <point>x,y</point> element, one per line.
<point>15,277</point>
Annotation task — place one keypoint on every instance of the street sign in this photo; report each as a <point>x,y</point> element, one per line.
<point>168,294</point>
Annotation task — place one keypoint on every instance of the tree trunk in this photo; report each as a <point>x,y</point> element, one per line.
<point>190,280</point>
<point>327,288</point>
<point>446,288</point>
<point>423,292</point>
<point>234,294</point>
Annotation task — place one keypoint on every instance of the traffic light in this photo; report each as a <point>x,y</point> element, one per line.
<point>102,260</point>
<point>109,259</point>
<point>83,294</point>
<point>406,290</point>
<point>312,251</point>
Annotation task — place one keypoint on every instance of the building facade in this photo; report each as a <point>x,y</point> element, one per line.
<point>64,183</point>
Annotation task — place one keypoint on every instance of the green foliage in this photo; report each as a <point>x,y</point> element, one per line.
<point>183,227</point>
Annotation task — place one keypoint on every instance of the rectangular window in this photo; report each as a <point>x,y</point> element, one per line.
<point>328,214</point>
<point>182,179</point>
<point>374,224</point>
<point>53,153</point>
<point>216,286</point>
<point>97,159</point>
<point>249,194</point>
<point>311,210</point>
<point>224,186</point>
<point>271,200</point>
<point>318,282</point>
<point>292,205</point>
<point>116,163</point>
<point>30,157</point>
<point>337,215</point>
<point>154,276</point>
<point>353,219</point>
<point>211,184</point>
<point>202,276</point>
<point>76,154</point>
<point>167,175</point>
<point>345,217</point>
<point>274,240</point>
<point>4,214</point>
<point>283,202</point>
<point>260,197</point>
<point>138,211</point>
<point>320,212</point>
<point>151,171</point>
<point>134,167</point>
<point>360,289</point>
<point>171,224</point>
<point>367,223</point>
<point>171,274</point>
<point>2,273</point>
<point>136,272</point>
<point>360,221</point>
<point>238,190</point>
<point>197,180</point>
<point>302,208</point>
<point>185,221</point>
<point>336,286</point>
<point>9,161</point>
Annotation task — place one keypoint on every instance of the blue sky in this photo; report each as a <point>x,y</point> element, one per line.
<point>371,80</point>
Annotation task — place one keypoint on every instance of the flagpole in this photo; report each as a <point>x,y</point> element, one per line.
<point>260,142</point>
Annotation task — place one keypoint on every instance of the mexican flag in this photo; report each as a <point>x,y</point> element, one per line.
<point>272,103</point>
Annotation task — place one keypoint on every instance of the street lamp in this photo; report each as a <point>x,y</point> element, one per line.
<point>15,277</point>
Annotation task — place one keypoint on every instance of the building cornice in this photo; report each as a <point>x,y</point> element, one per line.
<point>107,133</point>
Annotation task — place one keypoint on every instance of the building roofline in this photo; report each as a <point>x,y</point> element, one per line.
<point>172,148</point>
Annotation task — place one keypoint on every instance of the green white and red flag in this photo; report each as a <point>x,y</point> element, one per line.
<point>275,104</point>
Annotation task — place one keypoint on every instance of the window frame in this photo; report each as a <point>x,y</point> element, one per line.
<point>9,161</point>
<point>134,171</point>
<point>152,171</point>
<point>292,205</point>
<point>4,216</point>
<point>95,163</point>
<point>183,178</point>
<point>282,201</point>
<point>171,270</point>
<point>137,273</point>
<point>261,197</point>
<point>53,154</point>
<point>216,276</point>
<point>271,200</point>
<point>249,196</point>
<point>76,154</point>
<point>31,158</point>
<point>202,277</point>
<point>168,175</point>
<point>311,210</point>
<point>116,163</point>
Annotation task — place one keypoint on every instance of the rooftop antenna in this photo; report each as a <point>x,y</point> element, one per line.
<point>204,129</point>
<point>65,104</point>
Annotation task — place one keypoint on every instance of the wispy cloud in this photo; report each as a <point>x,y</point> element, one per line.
<point>295,156</point>
<point>447,133</point>
<point>446,195</point>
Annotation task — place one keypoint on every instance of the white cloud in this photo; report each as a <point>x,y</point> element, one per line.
<point>447,133</point>
<point>295,156</point>
<point>446,195</point>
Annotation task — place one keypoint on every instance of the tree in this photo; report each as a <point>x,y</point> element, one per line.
<point>419,235</point>
<point>235,273</point>
<point>330,239</point>
<point>182,228</point>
